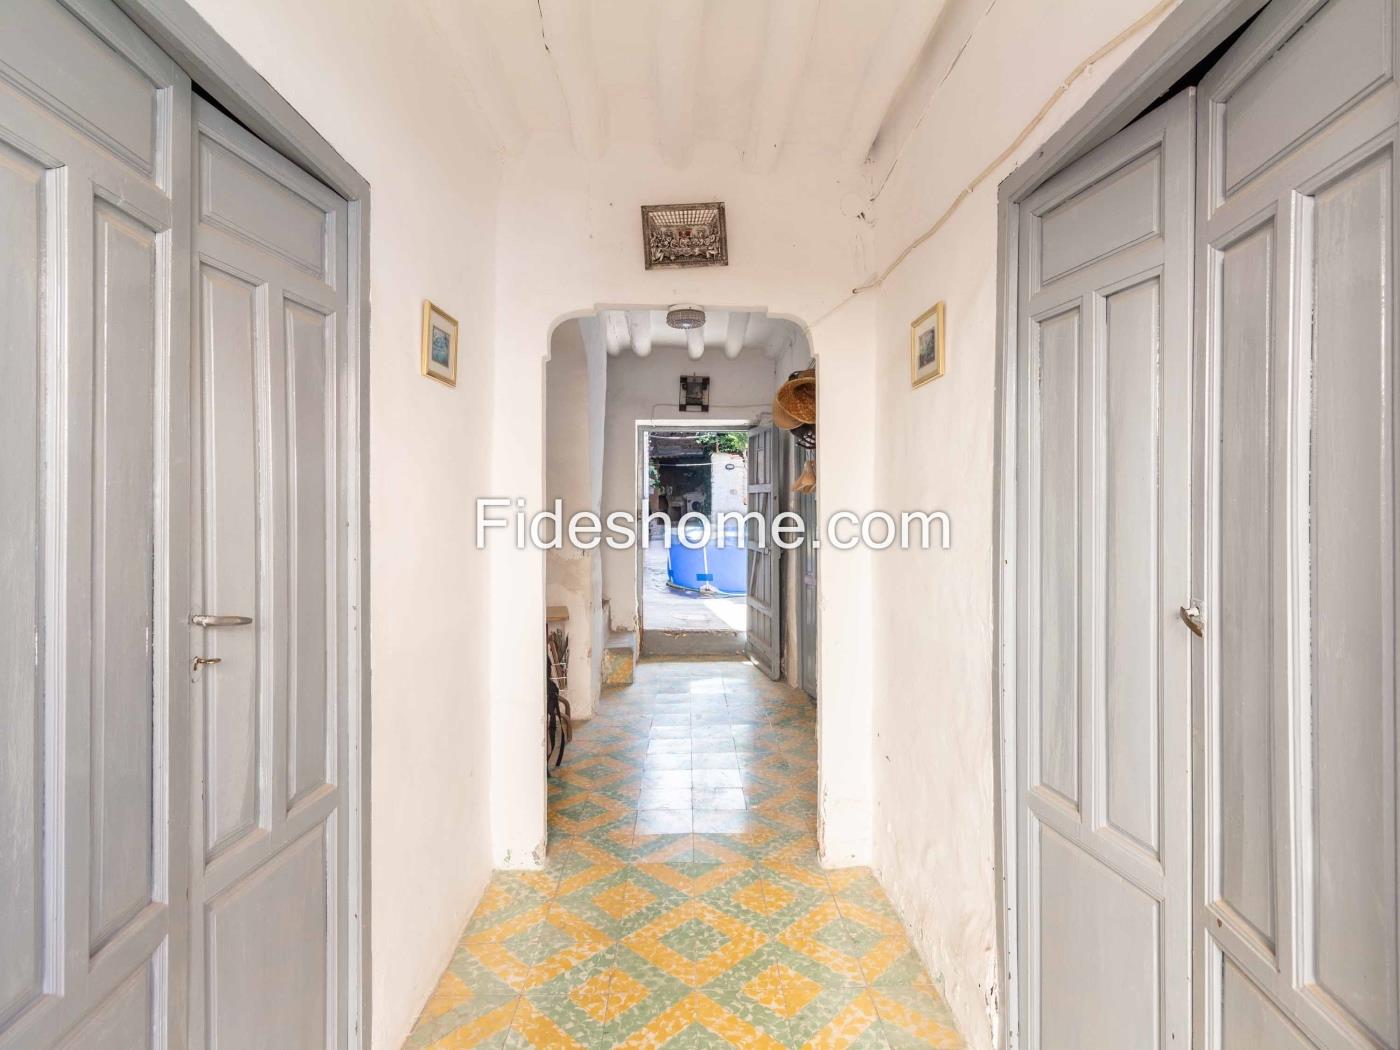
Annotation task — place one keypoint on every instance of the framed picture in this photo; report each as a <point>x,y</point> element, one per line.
<point>684,235</point>
<point>928,346</point>
<point>439,345</point>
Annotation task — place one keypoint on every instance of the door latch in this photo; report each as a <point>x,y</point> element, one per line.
<point>1194,618</point>
<point>203,661</point>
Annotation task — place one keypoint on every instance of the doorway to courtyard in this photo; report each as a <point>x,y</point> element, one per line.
<point>692,580</point>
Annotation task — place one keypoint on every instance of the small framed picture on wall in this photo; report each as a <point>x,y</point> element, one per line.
<point>439,345</point>
<point>928,346</point>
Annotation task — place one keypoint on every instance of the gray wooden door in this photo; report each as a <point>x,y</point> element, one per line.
<point>806,504</point>
<point>94,257</point>
<point>1295,764</point>
<point>765,604</point>
<point>268,878</point>
<point>1102,716</point>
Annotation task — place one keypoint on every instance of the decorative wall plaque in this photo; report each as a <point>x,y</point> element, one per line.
<point>684,235</point>
<point>695,394</point>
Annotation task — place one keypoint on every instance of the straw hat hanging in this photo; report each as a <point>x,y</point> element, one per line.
<point>798,399</point>
<point>781,419</point>
<point>795,410</point>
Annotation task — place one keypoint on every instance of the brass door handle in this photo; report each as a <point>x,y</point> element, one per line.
<point>202,661</point>
<point>1194,618</point>
<point>210,620</point>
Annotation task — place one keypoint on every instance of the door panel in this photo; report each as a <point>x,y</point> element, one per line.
<point>123,753</point>
<point>1057,350</point>
<point>276,915</point>
<point>764,600</point>
<point>1094,924</point>
<point>26,205</point>
<point>123,1021</point>
<point>94,256</point>
<point>1353,536</point>
<point>1130,322</point>
<point>269,884</point>
<point>1296,796</point>
<point>1102,767</point>
<point>311,457</point>
<point>233,336</point>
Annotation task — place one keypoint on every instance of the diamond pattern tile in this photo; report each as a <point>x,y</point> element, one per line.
<point>682,905</point>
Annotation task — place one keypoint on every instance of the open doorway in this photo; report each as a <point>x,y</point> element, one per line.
<point>693,594</point>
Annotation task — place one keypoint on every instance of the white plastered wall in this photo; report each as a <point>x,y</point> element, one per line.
<point>934,829</point>
<point>569,241</point>
<point>576,384</point>
<point>375,79</point>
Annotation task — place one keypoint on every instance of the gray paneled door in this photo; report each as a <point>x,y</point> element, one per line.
<point>94,292</point>
<point>806,505</point>
<point>268,876</point>
<point>173,308</point>
<point>1102,794</point>
<point>1296,802</point>
<point>765,604</point>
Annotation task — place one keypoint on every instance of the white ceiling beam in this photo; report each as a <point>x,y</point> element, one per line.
<point>679,24</point>
<point>639,326</point>
<point>734,333</point>
<point>481,65</point>
<point>786,42</point>
<point>568,36</point>
<point>615,335</point>
<point>899,45</point>
<point>695,343</point>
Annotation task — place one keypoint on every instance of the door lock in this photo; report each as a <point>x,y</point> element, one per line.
<point>202,661</point>
<point>1194,618</point>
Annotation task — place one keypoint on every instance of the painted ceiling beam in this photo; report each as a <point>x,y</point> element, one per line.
<point>481,66</point>
<point>695,343</point>
<point>890,62</point>
<point>568,36</point>
<point>734,334</point>
<point>786,43</point>
<point>639,326</point>
<point>679,24</point>
<point>615,335</point>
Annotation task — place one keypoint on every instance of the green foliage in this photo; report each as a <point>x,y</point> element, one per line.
<point>729,441</point>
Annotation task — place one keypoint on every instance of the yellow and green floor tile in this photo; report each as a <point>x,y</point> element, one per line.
<point>683,906</point>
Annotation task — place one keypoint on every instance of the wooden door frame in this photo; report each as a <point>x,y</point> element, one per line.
<point>1182,40</point>
<point>225,75</point>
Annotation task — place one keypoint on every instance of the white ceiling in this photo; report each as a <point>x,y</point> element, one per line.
<point>728,332</point>
<point>757,74</point>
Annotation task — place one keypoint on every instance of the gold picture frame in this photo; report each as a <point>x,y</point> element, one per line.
<point>928,346</point>
<point>439,359</point>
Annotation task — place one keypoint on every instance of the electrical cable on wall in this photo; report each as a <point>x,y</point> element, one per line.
<point>1083,67</point>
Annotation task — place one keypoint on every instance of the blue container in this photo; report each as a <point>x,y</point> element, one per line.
<point>723,568</point>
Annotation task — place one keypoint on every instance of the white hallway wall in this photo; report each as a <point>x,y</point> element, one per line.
<point>568,241</point>
<point>934,829</point>
<point>512,248</point>
<point>649,388</point>
<point>577,376</point>
<point>375,79</point>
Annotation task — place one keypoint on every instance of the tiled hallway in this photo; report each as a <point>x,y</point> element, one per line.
<point>683,905</point>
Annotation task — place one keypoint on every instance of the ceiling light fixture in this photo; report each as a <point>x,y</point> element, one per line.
<point>685,316</point>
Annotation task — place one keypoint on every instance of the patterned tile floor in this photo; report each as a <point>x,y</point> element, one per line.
<point>682,905</point>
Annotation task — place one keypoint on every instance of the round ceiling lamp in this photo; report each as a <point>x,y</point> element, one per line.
<point>685,316</point>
